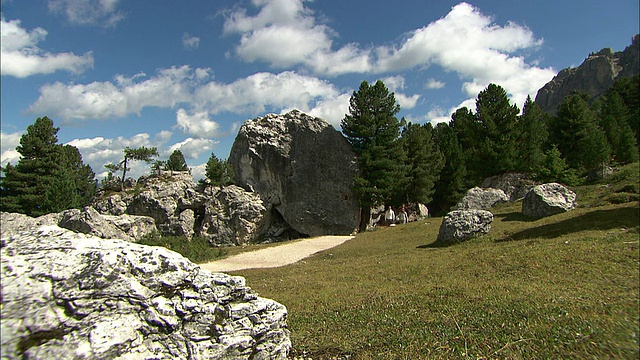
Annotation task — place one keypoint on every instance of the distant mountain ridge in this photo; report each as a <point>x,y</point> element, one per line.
<point>594,76</point>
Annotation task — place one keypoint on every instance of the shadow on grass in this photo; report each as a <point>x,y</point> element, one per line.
<point>626,217</point>
<point>515,216</point>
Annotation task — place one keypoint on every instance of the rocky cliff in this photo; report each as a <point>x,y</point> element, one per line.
<point>593,77</point>
<point>302,168</point>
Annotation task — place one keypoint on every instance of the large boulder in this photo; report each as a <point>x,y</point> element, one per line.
<point>89,221</point>
<point>461,225</point>
<point>481,199</point>
<point>548,199</point>
<point>72,296</point>
<point>232,216</point>
<point>302,168</point>
<point>514,185</point>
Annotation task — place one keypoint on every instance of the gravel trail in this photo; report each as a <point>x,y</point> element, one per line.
<point>276,256</point>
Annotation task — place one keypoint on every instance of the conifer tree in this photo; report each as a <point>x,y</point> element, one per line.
<point>425,163</point>
<point>533,136</point>
<point>219,172</point>
<point>49,177</point>
<point>176,162</point>
<point>451,185</point>
<point>140,154</point>
<point>373,131</point>
<point>615,118</point>
<point>575,131</point>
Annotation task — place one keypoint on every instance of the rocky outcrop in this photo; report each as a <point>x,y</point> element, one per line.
<point>593,77</point>
<point>72,296</point>
<point>461,225</point>
<point>481,199</point>
<point>180,207</point>
<point>548,199</point>
<point>302,168</point>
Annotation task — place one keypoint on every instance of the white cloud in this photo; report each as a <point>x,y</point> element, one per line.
<point>190,42</point>
<point>124,96</point>
<point>21,57</point>
<point>88,12</point>
<point>332,109</point>
<point>191,148</point>
<point>8,144</point>
<point>285,33</point>
<point>434,84</point>
<point>469,43</point>
<point>197,124</point>
<point>198,171</point>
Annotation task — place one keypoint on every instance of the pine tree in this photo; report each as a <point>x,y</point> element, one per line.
<point>219,172</point>
<point>555,169</point>
<point>140,154</point>
<point>577,135</point>
<point>425,163</point>
<point>499,133</point>
<point>176,162</point>
<point>533,136</point>
<point>451,185</point>
<point>615,118</point>
<point>373,131</point>
<point>49,177</point>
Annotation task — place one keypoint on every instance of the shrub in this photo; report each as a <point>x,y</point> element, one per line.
<point>198,249</point>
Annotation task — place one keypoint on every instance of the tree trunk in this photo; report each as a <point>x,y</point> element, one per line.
<point>365,217</point>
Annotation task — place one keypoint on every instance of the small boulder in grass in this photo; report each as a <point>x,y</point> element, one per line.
<point>548,199</point>
<point>461,225</point>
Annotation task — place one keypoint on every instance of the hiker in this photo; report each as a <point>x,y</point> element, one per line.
<point>403,218</point>
<point>389,216</point>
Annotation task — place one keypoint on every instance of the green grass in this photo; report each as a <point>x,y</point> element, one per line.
<point>565,286</point>
<point>197,249</point>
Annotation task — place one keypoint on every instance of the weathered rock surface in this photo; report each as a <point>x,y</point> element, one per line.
<point>461,225</point>
<point>481,199</point>
<point>233,216</point>
<point>514,185</point>
<point>548,199</point>
<point>73,296</point>
<point>593,77</point>
<point>179,206</point>
<point>302,168</point>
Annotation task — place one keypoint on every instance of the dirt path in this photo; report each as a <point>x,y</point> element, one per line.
<point>276,256</point>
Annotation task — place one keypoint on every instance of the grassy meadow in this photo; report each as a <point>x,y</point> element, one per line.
<point>565,286</point>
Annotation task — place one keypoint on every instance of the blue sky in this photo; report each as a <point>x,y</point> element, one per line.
<point>186,74</point>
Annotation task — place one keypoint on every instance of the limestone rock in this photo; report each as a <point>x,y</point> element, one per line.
<point>481,199</point>
<point>232,216</point>
<point>70,296</point>
<point>548,199</point>
<point>302,168</point>
<point>461,225</point>
<point>593,77</point>
<point>514,185</point>
<point>89,221</point>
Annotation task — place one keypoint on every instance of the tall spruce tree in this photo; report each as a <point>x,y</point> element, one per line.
<point>425,163</point>
<point>498,120</point>
<point>451,185</point>
<point>615,117</point>
<point>533,136</point>
<point>373,131</point>
<point>49,177</point>
<point>575,131</point>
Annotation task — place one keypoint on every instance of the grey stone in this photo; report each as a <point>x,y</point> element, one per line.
<point>481,199</point>
<point>302,168</point>
<point>514,185</point>
<point>461,225</point>
<point>548,199</point>
<point>67,295</point>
